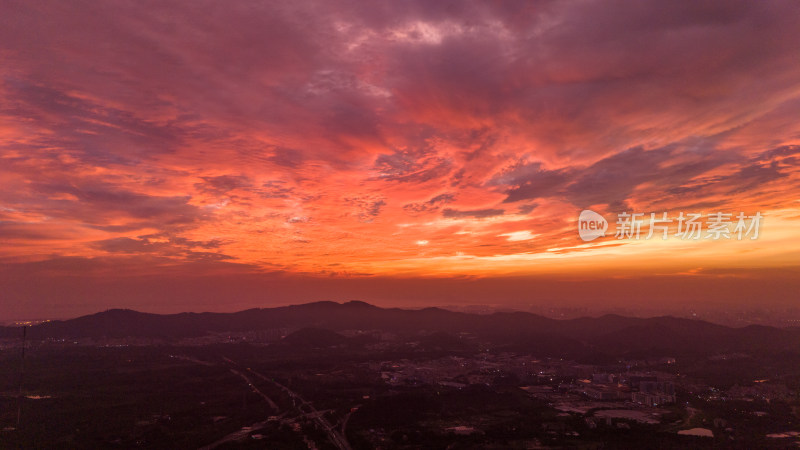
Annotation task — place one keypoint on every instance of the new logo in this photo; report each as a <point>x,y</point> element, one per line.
<point>591,225</point>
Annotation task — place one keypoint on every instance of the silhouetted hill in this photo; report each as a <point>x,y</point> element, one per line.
<point>314,338</point>
<point>442,341</point>
<point>610,334</point>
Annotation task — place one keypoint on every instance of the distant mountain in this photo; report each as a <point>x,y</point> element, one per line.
<point>610,334</point>
<point>314,338</point>
<point>442,341</point>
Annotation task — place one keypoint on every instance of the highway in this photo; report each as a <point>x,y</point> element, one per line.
<point>347,418</point>
<point>236,435</point>
<point>256,390</point>
<point>337,438</point>
<point>303,406</point>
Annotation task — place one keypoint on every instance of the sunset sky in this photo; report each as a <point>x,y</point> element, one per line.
<point>199,155</point>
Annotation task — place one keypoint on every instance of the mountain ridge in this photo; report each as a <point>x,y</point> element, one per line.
<point>610,333</point>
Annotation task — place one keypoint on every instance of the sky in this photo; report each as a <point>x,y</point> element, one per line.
<point>200,155</point>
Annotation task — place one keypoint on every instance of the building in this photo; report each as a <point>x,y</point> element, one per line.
<point>604,392</point>
<point>635,380</point>
<point>666,387</point>
<point>603,378</point>
<point>652,399</point>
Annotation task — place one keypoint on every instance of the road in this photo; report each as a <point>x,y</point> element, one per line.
<point>245,431</point>
<point>347,418</point>
<point>255,389</point>
<point>337,438</point>
<point>236,435</point>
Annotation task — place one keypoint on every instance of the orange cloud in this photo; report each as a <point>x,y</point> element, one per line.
<point>334,140</point>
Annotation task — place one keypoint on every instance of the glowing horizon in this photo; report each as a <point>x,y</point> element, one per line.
<point>398,140</point>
